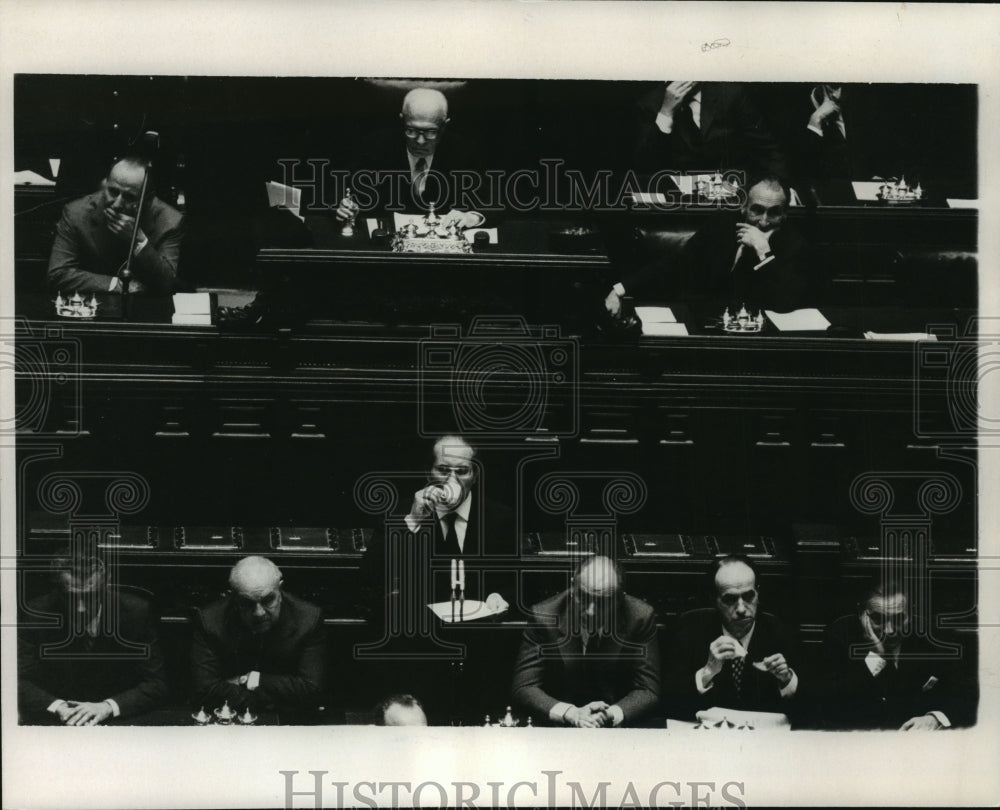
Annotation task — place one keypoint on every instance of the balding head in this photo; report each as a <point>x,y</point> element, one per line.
<point>424,116</point>
<point>595,587</point>
<point>256,586</point>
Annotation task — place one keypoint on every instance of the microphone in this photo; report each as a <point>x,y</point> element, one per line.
<point>126,273</point>
<point>739,255</point>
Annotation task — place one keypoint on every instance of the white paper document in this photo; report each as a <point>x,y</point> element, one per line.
<point>282,196</point>
<point>648,198</point>
<point>655,314</point>
<point>192,309</point>
<point>664,329</point>
<point>798,320</point>
<point>903,336</point>
<point>30,178</point>
<point>472,609</point>
<point>956,203</point>
<point>867,189</point>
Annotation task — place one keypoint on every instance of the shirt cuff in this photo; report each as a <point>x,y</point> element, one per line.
<point>665,123</point>
<point>616,714</point>
<point>790,688</point>
<point>140,245</point>
<point>817,130</point>
<point>763,261</point>
<point>699,681</point>
<point>942,718</point>
<point>253,680</point>
<point>557,713</point>
<point>619,290</point>
<point>115,710</point>
<point>55,704</point>
<point>114,284</point>
<point>411,523</point>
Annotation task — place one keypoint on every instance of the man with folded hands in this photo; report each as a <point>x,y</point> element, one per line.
<point>731,655</point>
<point>589,658</point>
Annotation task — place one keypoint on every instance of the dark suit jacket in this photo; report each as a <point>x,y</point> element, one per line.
<point>385,152</point>
<point>90,669</point>
<point>732,135</point>
<point>85,254</point>
<point>551,666</point>
<point>490,532</point>
<point>851,697</point>
<point>689,652</point>
<point>291,657</point>
<point>705,270</point>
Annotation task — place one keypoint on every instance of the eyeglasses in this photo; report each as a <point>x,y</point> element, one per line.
<point>443,469</point>
<point>730,599</point>
<point>882,618</point>
<point>429,134</point>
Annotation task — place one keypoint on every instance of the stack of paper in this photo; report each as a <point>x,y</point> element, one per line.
<point>30,178</point>
<point>659,322</point>
<point>192,309</point>
<point>798,320</point>
<point>282,196</point>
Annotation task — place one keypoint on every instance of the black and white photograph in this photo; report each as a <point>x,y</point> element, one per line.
<point>600,389</point>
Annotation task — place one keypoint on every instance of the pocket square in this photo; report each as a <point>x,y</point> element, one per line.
<point>931,681</point>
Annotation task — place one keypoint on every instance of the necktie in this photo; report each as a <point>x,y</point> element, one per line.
<point>738,674</point>
<point>420,175</point>
<point>451,536</point>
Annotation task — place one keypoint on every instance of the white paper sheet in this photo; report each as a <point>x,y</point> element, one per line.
<point>282,196</point>
<point>30,178</point>
<point>655,314</point>
<point>664,329</point>
<point>648,198</point>
<point>867,189</point>
<point>956,203</point>
<point>903,336</point>
<point>473,609</point>
<point>192,303</point>
<point>798,320</point>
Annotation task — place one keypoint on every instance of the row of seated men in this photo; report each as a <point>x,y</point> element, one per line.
<point>747,256</point>
<point>589,657</point>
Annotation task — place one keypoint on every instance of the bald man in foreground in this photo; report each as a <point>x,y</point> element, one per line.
<point>590,658</point>
<point>415,164</point>
<point>260,647</point>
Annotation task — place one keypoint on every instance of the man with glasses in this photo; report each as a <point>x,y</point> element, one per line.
<point>879,672</point>
<point>95,232</point>
<point>751,258</point>
<point>731,655</point>
<point>589,658</point>
<point>414,165</point>
<point>260,647</point>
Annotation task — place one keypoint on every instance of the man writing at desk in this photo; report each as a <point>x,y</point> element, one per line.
<point>94,234</point>
<point>753,258</point>
<point>418,161</point>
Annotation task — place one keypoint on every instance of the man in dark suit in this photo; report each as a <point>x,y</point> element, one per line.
<point>590,658</point>
<point>753,258</point>
<point>462,523</point>
<point>731,655</point>
<point>260,647</point>
<point>419,163</point>
<point>101,659</point>
<point>879,674</point>
<point>687,125</point>
<point>94,234</point>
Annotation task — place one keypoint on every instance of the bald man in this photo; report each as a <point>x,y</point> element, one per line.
<point>414,164</point>
<point>93,238</point>
<point>260,647</point>
<point>590,657</point>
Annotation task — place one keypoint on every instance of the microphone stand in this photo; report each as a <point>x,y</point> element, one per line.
<point>126,273</point>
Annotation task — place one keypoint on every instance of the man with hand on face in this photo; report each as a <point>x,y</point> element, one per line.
<point>93,236</point>
<point>879,674</point>
<point>590,657</point>
<point>418,159</point>
<point>731,655</point>
<point>260,647</point>
<point>101,660</point>
<point>753,258</point>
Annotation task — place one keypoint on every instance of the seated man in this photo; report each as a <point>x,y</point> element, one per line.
<point>400,710</point>
<point>707,126</point>
<point>100,661</point>
<point>414,165</point>
<point>93,237</point>
<point>754,258</point>
<point>730,655</point>
<point>259,647</point>
<point>590,657</point>
<point>465,525</point>
<point>879,674</point>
